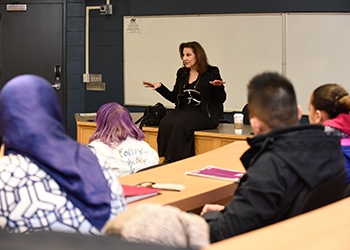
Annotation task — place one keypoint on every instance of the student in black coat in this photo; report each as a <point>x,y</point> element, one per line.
<point>198,95</point>
<point>283,159</point>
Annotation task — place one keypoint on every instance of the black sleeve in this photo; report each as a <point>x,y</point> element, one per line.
<point>171,95</point>
<point>218,92</point>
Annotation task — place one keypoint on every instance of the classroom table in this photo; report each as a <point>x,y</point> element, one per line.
<point>199,190</point>
<point>323,228</point>
<point>204,140</point>
<point>209,139</point>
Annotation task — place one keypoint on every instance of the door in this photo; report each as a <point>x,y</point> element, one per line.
<point>32,42</point>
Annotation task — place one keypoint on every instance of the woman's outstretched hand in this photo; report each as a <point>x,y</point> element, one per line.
<point>153,85</point>
<point>217,82</point>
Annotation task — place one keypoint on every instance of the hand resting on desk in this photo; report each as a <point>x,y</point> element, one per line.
<point>212,207</point>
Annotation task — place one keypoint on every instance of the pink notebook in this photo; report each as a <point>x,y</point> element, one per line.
<point>133,193</point>
<point>217,173</point>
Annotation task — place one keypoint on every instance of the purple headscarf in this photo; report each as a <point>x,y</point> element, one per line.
<point>31,124</point>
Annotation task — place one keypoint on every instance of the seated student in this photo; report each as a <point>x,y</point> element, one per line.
<point>161,225</point>
<point>120,141</point>
<point>48,181</point>
<point>330,105</point>
<point>283,158</point>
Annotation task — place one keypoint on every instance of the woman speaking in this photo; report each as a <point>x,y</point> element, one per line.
<point>198,95</point>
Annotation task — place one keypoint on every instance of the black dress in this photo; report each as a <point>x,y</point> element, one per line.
<point>199,106</point>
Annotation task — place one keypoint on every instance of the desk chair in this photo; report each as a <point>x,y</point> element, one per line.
<point>246,115</point>
<point>69,241</point>
<point>347,190</point>
<point>323,194</point>
<point>224,121</point>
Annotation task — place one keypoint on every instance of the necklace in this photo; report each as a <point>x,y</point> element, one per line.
<point>195,82</point>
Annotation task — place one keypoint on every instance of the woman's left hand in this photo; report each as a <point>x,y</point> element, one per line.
<point>217,82</point>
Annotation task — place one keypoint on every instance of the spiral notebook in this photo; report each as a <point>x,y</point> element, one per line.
<point>217,173</point>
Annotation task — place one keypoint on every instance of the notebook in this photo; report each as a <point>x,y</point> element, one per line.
<point>133,193</point>
<point>217,173</point>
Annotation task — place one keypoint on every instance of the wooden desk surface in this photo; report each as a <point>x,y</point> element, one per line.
<point>199,190</point>
<point>205,140</point>
<point>323,228</point>
<point>226,130</point>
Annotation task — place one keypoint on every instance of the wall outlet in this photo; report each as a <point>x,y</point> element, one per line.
<point>95,78</point>
<point>96,86</point>
<point>92,78</point>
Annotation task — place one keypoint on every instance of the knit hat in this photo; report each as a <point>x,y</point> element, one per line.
<point>161,225</point>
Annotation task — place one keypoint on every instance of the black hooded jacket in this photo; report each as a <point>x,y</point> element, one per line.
<point>279,165</point>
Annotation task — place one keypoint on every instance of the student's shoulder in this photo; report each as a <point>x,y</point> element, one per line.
<point>132,142</point>
<point>265,163</point>
<point>18,167</point>
<point>98,145</point>
<point>12,161</point>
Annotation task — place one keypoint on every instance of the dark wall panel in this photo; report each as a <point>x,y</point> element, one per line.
<point>75,62</point>
<point>106,39</point>
<point>145,7</point>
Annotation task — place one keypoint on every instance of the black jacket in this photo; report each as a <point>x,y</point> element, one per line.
<point>279,164</point>
<point>212,97</point>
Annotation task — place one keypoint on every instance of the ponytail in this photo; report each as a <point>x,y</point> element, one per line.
<point>343,103</point>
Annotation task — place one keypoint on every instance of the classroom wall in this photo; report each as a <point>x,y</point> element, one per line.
<point>75,62</point>
<point>106,39</point>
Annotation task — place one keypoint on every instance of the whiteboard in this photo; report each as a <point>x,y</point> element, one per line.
<point>240,45</point>
<point>317,52</point>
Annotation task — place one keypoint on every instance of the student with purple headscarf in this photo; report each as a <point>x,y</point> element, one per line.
<point>48,181</point>
<point>120,141</point>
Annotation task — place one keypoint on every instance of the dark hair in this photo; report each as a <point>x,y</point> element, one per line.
<point>271,98</point>
<point>114,125</point>
<point>331,98</point>
<point>198,50</point>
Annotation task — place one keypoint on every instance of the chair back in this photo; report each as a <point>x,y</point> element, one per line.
<point>347,190</point>
<point>246,115</point>
<point>323,194</point>
<point>224,121</point>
